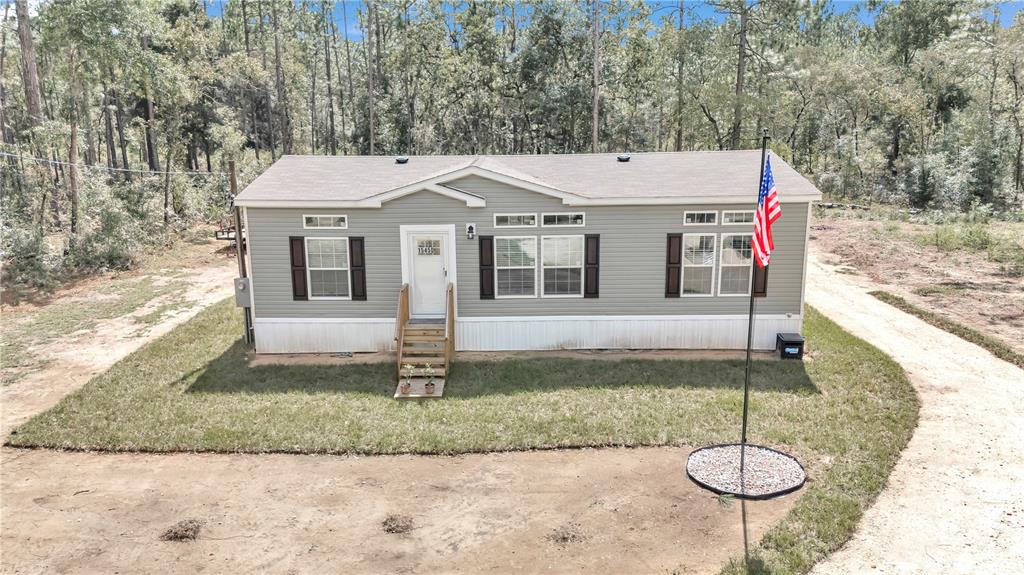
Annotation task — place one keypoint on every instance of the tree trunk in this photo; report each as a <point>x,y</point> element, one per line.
<point>332,141</point>
<point>282,109</point>
<point>29,69</point>
<point>348,70</point>
<point>73,173</point>
<point>167,181</point>
<point>679,81</point>
<point>596,78</point>
<point>6,133</point>
<point>741,69</point>
<point>154,162</point>
<point>108,129</point>
<point>121,139</point>
<point>368,41</point>
<point>270,101</point>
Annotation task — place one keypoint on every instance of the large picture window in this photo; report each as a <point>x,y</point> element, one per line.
<point>327,266</point>
<point>515,260</point>
<point>562,265</point>
<point>737,257</point>
<point>698,264</point>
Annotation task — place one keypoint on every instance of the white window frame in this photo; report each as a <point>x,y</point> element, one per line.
<point>683,266</point>
<point>536,258</point>
<point>721,264</point>
<point>687,213</point>
<point>505,227</point>
<point>582,266</point>
<point>725,223</point>
<point>309,227</point>
<point>570,214</point>
<point>347,269</point>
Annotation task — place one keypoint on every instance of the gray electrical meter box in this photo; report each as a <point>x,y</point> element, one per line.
<point>242,297</point>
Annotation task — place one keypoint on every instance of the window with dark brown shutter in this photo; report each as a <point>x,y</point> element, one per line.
<point>297,248</point>
<point>591,264</point>
<point>357,265</point>
<point>759,288</point>
<point>673,264</point>
<point>486,267</point>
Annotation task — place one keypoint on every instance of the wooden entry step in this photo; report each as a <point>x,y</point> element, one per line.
<point>418,389</point>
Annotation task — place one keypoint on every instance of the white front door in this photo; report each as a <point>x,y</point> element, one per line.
<point>428,258</point>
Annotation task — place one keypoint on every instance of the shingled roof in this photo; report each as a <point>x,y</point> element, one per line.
<point>579,179</point>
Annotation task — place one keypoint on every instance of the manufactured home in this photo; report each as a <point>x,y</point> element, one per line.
<point>525,252</point>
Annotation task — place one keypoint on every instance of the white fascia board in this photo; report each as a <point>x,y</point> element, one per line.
<point>745,199</point>
<point>472,200</point>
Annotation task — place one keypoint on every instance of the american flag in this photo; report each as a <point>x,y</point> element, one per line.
<point>768,210</point>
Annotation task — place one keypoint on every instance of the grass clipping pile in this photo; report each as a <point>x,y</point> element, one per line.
<point>766,473</point>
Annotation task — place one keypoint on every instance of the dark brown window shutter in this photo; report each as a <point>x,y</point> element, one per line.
<point>591,264</point>
<point>759,287</point>
<point>357,267</point>
<point>673,264</point>
<point>298,255</point>
<point>486,267</point>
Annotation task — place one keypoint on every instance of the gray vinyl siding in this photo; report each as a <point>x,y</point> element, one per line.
<point>632,271</point>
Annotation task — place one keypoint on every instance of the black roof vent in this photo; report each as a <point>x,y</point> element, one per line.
<point>402,159</point>
<point>623,157</point>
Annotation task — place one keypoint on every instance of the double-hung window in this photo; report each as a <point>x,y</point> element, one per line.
<point>737,258</point>
<point>698,264</point>
<point>327,268</point>
<point>515,268</point>
<point>562,265</point>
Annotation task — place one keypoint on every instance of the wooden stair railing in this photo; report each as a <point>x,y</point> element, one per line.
<point>427,348</point>
<point>401,319</point>
<point>449,326</point>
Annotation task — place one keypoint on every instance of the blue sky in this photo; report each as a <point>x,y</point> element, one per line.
<point>1007,11</point>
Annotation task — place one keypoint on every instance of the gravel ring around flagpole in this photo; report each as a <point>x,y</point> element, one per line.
<point>768,473</point>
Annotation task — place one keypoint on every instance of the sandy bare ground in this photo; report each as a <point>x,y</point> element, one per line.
<point>582,511</point>
<point>73,361</point>
<point>963,285</point>
<point>955,500</point>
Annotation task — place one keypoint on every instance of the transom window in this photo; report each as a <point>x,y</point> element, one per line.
<point>700,218</point>
<point>338,222</point>
<point>515,220</point>
<point>737,257</point>
<point>515,266</point>
<point>576,219</point>
<point>698,264</point>
<point>562,264</point>
<point>327,268</point>
<point>744,217</point>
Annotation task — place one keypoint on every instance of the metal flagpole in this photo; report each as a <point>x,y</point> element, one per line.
<point>750,323</point>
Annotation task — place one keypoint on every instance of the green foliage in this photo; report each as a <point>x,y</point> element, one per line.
<point>922,108</point>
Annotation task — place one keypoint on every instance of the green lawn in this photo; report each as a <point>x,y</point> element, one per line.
<point>846,412</point>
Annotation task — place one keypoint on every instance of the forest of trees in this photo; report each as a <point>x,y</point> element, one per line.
<point>118,117</point>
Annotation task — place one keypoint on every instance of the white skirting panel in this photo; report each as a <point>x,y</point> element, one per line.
<point>619,332</point>
<point>322,335</point>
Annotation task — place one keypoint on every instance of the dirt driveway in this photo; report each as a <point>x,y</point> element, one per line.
<point>955,501</point>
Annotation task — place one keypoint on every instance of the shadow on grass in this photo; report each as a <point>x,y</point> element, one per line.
<point>230,373</point>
